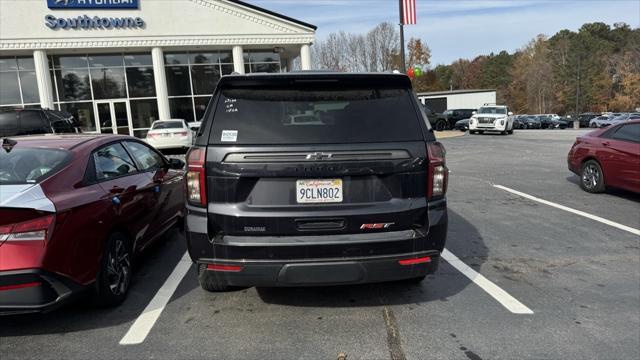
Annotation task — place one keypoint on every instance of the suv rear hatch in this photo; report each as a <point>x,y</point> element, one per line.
<point>290,158</point>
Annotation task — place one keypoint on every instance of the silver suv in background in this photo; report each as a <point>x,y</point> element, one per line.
<point>491,117</point>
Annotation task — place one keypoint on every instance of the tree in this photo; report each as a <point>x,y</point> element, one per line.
<point>418,55</point>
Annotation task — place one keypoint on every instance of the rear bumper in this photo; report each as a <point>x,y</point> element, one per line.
<point>33,290</point>
<point>171,143</point>
<point>320,272</point>
<point>319,260</point>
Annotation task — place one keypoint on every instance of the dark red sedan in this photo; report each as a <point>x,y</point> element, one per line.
<point>608,157</point>
<point>75,210</point>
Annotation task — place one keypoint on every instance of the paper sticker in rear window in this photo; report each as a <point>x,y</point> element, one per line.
<point>229,135</point>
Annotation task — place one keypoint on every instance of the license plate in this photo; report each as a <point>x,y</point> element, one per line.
<point>319,191</point>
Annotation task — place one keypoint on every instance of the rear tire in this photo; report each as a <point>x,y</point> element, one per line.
<point>472,132</point>
<point>510,132</point>
<point>209,281</point>
<point>592,177</point>
<point>441,125</point>
<point>114,276</point>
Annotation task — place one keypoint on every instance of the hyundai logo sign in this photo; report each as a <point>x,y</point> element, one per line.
<point>92,4</point>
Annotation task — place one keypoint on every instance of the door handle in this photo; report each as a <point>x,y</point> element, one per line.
<point>116,190</point>
<point>606,143</point>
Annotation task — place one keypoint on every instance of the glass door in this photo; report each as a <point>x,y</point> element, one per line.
<point>113,117</point>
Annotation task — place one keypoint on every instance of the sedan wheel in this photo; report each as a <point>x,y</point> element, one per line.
<point>114,277</point>
<point>591,177</point>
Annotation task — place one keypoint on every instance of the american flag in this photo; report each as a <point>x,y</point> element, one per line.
<point>409,12</point>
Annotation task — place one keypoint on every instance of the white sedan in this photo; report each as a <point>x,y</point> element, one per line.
<point>170,134</point>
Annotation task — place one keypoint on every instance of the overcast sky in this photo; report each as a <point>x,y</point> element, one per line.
<point>461,28</point>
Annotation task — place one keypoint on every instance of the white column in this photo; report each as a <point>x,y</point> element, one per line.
<point>45,90</point>
<point>238,59</point>
<point>160,77</point>
<point>305,57</point>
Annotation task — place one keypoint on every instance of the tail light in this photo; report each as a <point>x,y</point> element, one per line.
<point>183,133</point>
<point>438,172</point>
<point>39,229</point>
<point>151,135</point>
<point>196,191</point>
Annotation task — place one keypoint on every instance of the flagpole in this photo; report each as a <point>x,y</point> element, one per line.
<point>403,66</point>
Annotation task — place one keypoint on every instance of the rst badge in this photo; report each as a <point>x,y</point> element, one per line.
<point>92,4</point>
<point>374,226</point>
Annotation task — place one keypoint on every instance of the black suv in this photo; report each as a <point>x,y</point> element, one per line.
<point>447,120</point>
<point>315,179</point>
<point>32,121</point>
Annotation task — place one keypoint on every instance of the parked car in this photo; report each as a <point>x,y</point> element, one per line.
<point>529,122</point>
<point>355,199</point>
<point>170,134</point>
<point>448,119</point>
<point>431,115</point>
<point>608,157</point>
<point>492,117</point>
<point>584,119</point>
<point>75,211</point>
<point>596,121</point>
<point>548,122</point>
<point>30,121</point>
<point>462,125</point>
<point>609,120</point>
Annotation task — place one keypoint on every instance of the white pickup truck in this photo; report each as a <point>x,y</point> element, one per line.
<point>491,118</point>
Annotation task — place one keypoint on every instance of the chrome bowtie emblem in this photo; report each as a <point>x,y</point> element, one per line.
<point>318,156</point>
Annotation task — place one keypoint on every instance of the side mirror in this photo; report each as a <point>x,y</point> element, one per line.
<point>473,112</point>
<point>510,113</point>
<point>176,164</point>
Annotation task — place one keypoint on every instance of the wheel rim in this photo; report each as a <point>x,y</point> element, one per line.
<point>440,126</point>
<point>118,268</point>
<point>591,176</point>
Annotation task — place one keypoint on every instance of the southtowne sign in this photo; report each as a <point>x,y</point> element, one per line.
<point>92,22</point>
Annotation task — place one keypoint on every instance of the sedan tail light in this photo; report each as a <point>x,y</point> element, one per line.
<point>196,190</point>
<point>38,229</point>
<point>438,172</point>
<point>183,133</point>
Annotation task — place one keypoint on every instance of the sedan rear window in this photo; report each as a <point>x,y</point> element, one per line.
<point>314,116</point>
<point>30,165</point>
<point>167,125</point>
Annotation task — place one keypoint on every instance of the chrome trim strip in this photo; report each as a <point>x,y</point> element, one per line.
<point>316,156</point>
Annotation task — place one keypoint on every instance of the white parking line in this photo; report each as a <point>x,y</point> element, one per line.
<point>508,301</point>
<point>574,211</point>
<point>143,324</point>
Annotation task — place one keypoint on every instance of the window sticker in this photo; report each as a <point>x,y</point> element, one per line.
<point>229,135</point>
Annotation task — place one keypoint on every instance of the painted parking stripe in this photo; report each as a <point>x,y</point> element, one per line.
<point>508,301</point>
<point>143,324</point>
<point>573,211</point>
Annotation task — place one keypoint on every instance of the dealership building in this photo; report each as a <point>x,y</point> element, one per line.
<point>118,65</point>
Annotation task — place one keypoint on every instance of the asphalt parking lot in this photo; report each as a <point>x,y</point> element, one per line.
<point>532,281</point>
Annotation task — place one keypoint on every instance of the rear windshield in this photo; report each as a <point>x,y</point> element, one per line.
<point>30,165</point>
<point>167,125</point>
<point>314,116</point>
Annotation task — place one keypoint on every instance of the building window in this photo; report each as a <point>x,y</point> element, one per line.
<point>108,83</point>
<point>141,82</point>
<point>262,61</point>
<point>83,112</point>
<point>19,86</point>
<point>73,84</point>
<point>192,78</point>
<point>181,108</point>
<point>79,80</point>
